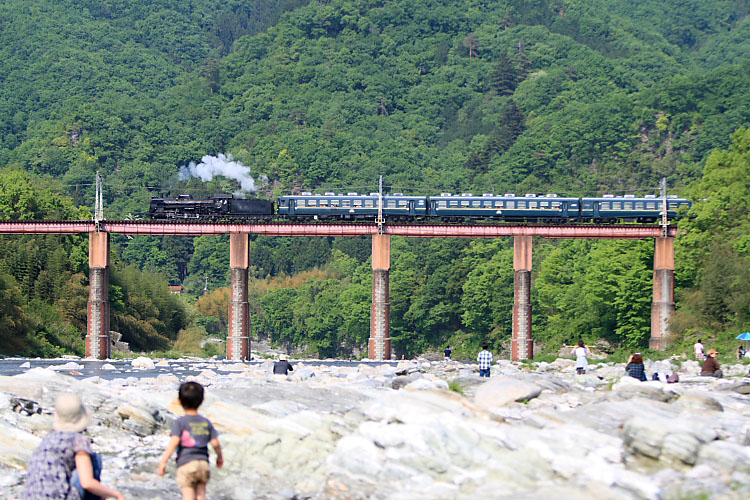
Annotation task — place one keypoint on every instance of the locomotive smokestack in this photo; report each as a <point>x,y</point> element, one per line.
<point>223,165</point>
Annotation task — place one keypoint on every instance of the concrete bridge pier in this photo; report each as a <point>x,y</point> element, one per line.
<point>380,312</point>
<point>662,306</point>
<point>238,340</point>
<point>522,345</point>
<point>98,345</point>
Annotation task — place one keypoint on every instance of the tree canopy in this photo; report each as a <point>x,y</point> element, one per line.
<point>577,98</point>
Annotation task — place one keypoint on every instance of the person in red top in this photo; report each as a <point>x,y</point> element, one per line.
<point>711,365</point>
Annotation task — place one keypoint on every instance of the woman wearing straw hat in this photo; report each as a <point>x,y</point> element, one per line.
<point>61,452</point>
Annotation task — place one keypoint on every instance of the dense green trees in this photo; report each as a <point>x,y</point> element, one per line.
<point>579,98</point>
<point>713,256</point>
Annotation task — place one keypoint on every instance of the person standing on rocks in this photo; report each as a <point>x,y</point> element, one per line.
<point>699,352</point>
<point>191,435</point>
<point>62,452</point>
<point>635,367</point>
<point>485,360</point>
<point>447,353</point>
<point>711,365</point>
<point>581,353</point>
<point>282,367</point>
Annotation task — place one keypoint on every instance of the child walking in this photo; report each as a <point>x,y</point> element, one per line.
<point>191,435</point>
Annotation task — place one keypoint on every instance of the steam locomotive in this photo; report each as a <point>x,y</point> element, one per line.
<point>220,206</point>
<point>548,208</point>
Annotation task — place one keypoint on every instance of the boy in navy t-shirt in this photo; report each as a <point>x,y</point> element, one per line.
<point>191,435</point>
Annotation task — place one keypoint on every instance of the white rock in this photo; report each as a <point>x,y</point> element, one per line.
<point>142,363</point>
<point>423,384</point>
<point>499,391</point>
<point>71,365</point>
<point>4,401</point>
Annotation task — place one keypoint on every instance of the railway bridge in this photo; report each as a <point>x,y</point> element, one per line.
<point>98,343</point>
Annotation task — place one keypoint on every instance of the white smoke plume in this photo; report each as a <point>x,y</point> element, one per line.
<point>223,165</point>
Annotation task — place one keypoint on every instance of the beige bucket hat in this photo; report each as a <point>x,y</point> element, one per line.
<point>70,414</point>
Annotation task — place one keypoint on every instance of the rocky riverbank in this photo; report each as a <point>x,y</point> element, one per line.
<point>398,432</point>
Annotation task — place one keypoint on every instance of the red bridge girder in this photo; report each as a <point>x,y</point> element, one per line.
<point>333,229</point>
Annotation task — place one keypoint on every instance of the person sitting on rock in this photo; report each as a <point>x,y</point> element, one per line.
<point>64,465</point>
<point>635,367</point>
<point>282,367</point>
<point>711,365</point>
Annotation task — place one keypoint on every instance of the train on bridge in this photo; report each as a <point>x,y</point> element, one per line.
<point>548,208</point>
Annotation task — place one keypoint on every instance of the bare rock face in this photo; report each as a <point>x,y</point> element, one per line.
<point>499,391</point>
<point>421,429</point>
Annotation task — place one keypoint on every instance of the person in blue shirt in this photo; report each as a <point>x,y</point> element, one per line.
<point>635,367</point>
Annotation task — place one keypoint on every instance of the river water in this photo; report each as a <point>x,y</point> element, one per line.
<point>124,369</point>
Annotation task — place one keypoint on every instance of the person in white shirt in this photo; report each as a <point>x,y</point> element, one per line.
<point>699,353</point>
<point>581,352</point>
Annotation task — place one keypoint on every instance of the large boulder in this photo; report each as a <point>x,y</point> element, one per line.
<point>629,387</point>
<point>672,440</point>
<point>723,455</point>
<point>142,363</point>
<point>499,391</point>
<point>698,400</point>
<point>16,446</point>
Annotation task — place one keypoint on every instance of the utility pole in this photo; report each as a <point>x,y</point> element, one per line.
<point>98,203</point>
<point>205,287</point>
<point>664,219</point>
<point>381,220</point>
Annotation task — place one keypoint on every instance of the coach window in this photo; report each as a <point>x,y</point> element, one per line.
<point>628,205</point>
<point>369,203</point>
<point>544,204</point>
<point>673,205</point>
<point>532,204</point>
<point>323,203</point>
<point>453,204</point>
<point>651,205</point>
<point>442,204</point>
<point>464,203</point>
<point>616,205</point>
<point>402,203</point>
<point>335,203</point>
<point>357,203</point>
<point>639,205</point>
<point>510,204</point>
<point>556,205</point>
<point>521,204</point>
<point>476,203</point>
<point>391,204</point>
<point>346,203</point>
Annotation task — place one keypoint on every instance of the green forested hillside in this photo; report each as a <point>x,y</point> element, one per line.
<point>579,98</point>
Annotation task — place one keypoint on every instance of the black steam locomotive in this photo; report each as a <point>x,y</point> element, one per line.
<point>220,206</point>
